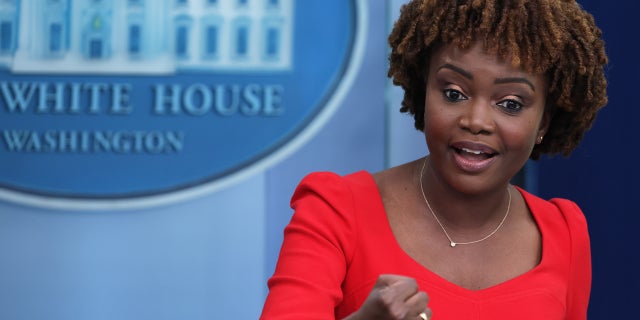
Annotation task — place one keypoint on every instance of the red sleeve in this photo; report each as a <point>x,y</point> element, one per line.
<point>580,269</point>
<point>317,246</point>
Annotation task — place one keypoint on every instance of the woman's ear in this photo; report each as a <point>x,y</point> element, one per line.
<point>544,124</point>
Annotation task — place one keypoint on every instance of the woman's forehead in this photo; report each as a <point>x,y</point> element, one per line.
<point>474,55</point>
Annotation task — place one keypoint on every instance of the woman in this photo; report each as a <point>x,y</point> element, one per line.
<point>491,84</point>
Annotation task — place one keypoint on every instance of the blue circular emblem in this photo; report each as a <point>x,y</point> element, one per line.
<point>130,104</point>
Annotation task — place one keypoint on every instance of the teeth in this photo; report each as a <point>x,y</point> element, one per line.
<point>471,151</point>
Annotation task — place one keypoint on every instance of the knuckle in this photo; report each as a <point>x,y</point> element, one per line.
<point>413,284</point>
<point>423,297</point>
<point>398,312</point>
<point>386,297</point>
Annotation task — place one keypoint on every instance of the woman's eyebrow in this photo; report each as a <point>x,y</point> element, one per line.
<point>469,76</point>
<point>515,80</point>
<point>457,69</point>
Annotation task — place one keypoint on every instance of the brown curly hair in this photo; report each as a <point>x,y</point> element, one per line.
<point>556,38</point>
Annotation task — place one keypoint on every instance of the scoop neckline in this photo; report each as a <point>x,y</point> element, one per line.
<point>441,282</point>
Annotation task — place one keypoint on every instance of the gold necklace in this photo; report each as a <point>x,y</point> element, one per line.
<point>453,243</point>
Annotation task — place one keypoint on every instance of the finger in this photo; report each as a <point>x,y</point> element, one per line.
<point>418,303</point>
<point>426,314</point>
<point>403,288</point>
<point>389,279</point>
<point>396,287</point>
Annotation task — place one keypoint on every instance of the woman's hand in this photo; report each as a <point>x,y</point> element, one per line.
<point>393,297</point>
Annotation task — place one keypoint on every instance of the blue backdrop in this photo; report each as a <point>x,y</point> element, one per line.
<point>209,257</point>
<point>602,174</point>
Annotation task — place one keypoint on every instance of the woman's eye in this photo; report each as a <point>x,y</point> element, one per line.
<point>511,106</point>
<point>453,95</point>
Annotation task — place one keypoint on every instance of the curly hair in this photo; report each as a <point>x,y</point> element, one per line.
<point>555,38</point>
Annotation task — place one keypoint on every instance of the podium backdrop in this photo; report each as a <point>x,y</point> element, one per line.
<point>162,198</point>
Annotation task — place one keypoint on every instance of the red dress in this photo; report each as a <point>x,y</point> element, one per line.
<point>339,241</point>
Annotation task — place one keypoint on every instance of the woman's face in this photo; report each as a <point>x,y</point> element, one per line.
<point>482,118</point>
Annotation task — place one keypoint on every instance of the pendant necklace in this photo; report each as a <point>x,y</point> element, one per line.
<point>453,243</point>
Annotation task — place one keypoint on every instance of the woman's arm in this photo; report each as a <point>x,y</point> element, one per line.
<point>317,246</point>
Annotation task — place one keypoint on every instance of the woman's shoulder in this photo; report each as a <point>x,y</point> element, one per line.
<point>327,180</point>
<point>385,179</point>
<point>569,211</point>
<point>333,186</point>
<point>396,176</point>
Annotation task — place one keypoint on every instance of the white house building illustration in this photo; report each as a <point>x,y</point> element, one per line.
<point>145,36</point>
<point>8,21</point>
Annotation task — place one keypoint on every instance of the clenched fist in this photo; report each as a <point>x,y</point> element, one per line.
<point>393,297</point>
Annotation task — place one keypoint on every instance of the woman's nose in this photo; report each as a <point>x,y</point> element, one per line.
<point>477,117</point>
